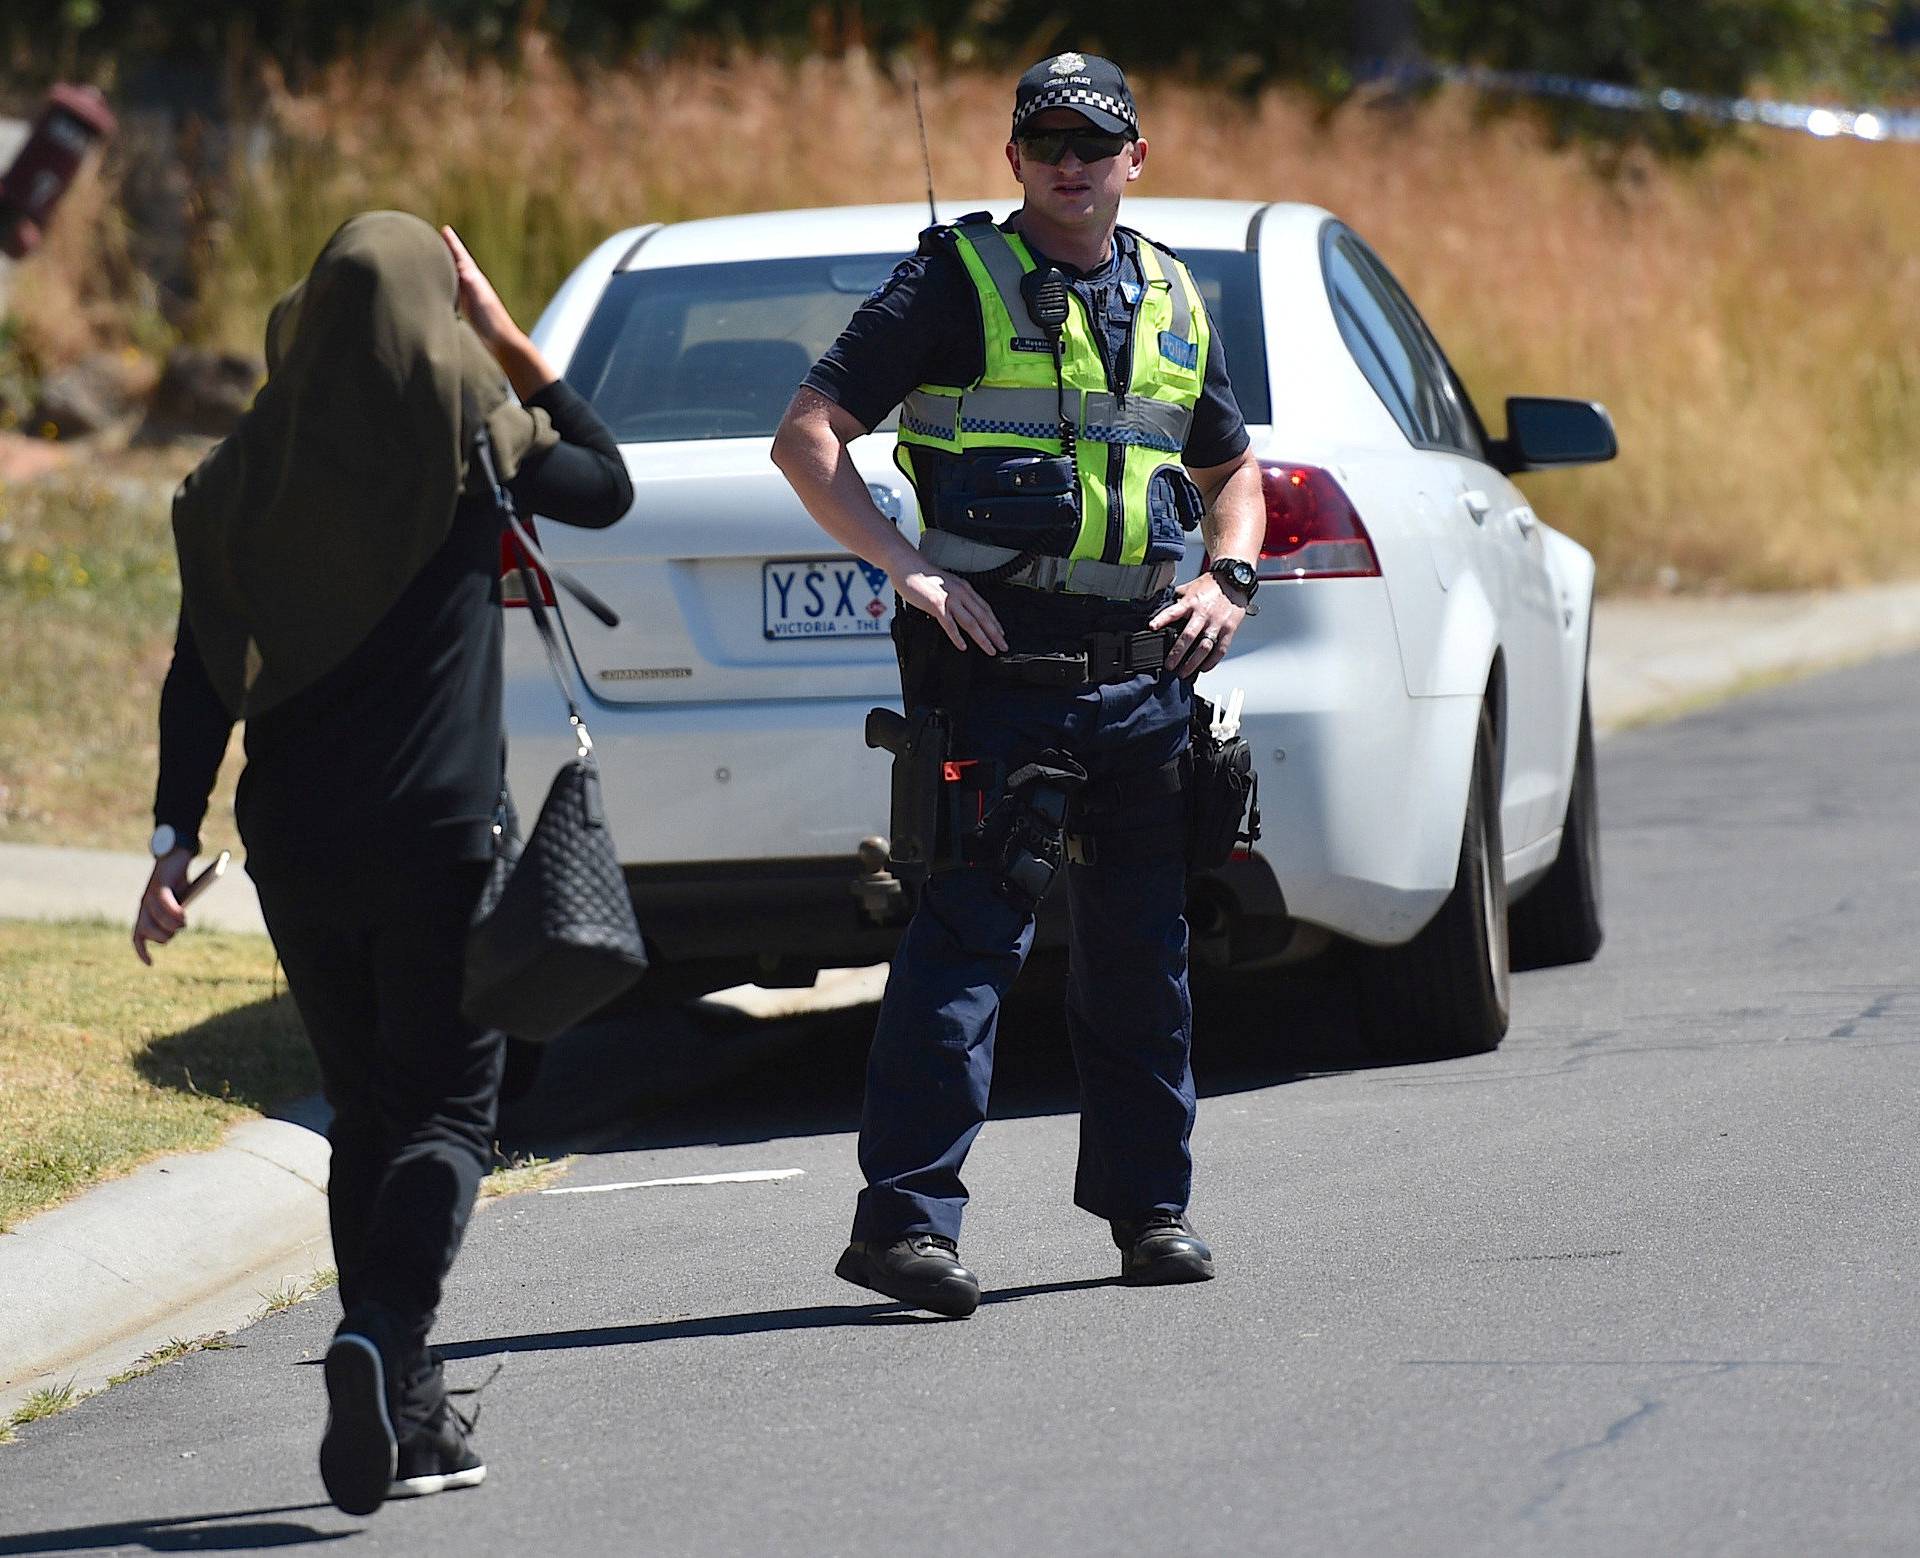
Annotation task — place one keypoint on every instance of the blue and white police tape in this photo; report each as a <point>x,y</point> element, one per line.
<point>1866,124</point>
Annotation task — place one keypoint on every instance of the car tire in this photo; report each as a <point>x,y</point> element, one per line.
<point>1448,991</point>
<point>1558,921</point>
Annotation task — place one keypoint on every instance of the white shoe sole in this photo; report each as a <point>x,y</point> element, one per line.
<point>444,1482</point>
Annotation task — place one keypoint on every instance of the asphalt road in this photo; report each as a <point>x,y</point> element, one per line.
<point>1642,1281</point>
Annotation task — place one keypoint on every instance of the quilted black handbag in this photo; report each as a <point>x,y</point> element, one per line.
<point>553,937</point>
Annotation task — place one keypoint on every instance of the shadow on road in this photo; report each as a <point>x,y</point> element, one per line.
<point>813,1318</point>
<point>232,1531</point>
<point>767,1079</point>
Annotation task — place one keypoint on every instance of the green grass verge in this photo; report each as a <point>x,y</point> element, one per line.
<point>105,1063</point>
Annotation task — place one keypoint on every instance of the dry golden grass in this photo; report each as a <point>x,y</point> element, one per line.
<point>1753,321</point>
<point>105,1063</point>
<point>88,599</point>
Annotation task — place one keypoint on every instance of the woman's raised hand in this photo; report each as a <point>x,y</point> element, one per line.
<point>526,367</point>
<point>478,301</point>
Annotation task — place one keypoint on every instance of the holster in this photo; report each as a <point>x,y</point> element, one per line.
<point>933,688</point>
<point>1023,836</point>
<point>918,741</point>
<point>1223,794</point>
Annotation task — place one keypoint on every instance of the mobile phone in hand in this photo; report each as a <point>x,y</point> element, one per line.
<point>205,879</point>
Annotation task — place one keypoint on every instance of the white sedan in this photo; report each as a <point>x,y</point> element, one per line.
<point>1414,682</point>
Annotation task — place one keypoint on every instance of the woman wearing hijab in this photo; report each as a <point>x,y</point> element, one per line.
<point>339,568</point>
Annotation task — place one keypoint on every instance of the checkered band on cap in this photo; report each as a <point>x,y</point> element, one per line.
<point>1064,96</point>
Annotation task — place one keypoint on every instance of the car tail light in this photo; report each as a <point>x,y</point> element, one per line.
<point>512,593</point>
<point>1313,531</point>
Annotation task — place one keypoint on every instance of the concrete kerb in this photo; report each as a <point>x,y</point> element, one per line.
<point>193,1243</point>
<point>175,1249</point>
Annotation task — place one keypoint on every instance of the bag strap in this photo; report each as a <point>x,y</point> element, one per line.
<point>529,556</point>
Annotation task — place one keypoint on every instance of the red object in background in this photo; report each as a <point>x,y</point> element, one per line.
<point>74,118</point>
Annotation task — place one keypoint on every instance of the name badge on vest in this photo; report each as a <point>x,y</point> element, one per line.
<point>1183,354</point>
<point>1031,343</point>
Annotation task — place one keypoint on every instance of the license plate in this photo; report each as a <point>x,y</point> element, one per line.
<point>839,597</point>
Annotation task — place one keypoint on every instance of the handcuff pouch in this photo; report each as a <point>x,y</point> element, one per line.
<point>1223,794</point>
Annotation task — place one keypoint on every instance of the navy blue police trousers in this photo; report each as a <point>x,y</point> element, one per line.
<point>1129,1016</point>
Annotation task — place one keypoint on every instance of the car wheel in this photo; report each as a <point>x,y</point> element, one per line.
<point>1447,992</point>
<point>1558,921</point>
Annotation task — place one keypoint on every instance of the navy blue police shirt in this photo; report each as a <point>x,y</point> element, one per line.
<point>922,326</point>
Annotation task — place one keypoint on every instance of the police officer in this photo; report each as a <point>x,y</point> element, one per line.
<point>1065,415</point>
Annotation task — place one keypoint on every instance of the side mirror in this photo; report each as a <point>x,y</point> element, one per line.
<point>1543,431</point>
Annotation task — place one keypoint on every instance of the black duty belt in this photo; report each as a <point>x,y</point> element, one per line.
<point>1101,657</point>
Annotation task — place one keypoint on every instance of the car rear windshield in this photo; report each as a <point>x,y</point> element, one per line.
<point>716,351</point>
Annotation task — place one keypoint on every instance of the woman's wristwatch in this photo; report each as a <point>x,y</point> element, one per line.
<point>167,838</point>
<point>1237,577</point>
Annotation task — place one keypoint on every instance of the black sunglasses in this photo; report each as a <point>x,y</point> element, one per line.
<point>1049,146</point>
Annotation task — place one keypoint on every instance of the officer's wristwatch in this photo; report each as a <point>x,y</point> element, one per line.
<point>1232,572</point>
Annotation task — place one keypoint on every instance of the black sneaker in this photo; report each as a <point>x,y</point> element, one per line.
<point>1161,1247</point>
<point>358,1452</point>
<point>437,1456</point>
<point>923,1270</point>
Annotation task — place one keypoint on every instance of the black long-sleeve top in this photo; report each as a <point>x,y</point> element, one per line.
<point>396,751</point>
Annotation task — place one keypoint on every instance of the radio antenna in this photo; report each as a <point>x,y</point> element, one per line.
<point>926,156</point>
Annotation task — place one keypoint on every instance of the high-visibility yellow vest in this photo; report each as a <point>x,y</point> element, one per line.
<point>1122,439</point>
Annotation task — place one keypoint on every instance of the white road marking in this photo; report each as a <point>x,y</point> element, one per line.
<point>740,1177</point>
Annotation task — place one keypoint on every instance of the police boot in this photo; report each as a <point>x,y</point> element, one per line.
<point>1159,1248</point>
<point>923,1270</point>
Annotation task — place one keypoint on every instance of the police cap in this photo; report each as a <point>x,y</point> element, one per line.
<point>1092,87</point>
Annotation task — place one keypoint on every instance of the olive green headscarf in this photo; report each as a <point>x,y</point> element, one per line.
<point>299,532</point>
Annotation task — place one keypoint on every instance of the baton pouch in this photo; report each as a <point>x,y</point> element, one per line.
<point>918,742</point>
<point>1223,795</point>
<point>1028,502</point>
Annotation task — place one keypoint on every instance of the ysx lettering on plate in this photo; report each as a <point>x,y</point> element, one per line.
<point>835,598</point>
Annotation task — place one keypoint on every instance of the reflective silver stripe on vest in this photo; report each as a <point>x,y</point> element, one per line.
<point>1033,413</point>
<point>1004,269</point>
<point>1026,413</point>
<point>931,416</point>
<point>1182,308</point>
<point>1115,581</point>
<point>1157,424</point>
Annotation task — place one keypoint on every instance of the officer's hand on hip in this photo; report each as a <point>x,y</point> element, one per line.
<point>955,604</point>
<point>1207,619</point>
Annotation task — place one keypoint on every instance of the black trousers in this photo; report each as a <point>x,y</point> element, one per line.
<point>373,960</point>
